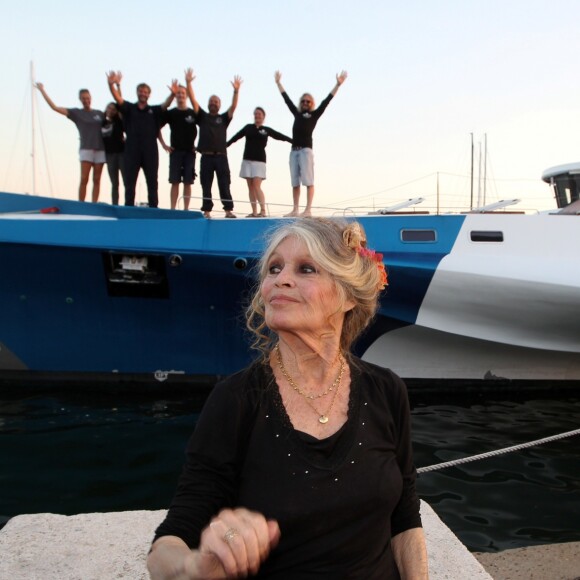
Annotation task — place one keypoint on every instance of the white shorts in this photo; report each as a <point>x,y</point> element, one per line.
<point>302,167</point>
<point>92,156</point>
<point>253,169</point>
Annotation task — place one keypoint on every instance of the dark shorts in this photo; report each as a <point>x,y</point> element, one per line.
<point>182,167</point>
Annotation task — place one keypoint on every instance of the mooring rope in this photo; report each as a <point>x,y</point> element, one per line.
<point>497,452</point>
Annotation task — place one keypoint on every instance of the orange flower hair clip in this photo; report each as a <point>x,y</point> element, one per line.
<point>354,238</point>
<point>378,258</point>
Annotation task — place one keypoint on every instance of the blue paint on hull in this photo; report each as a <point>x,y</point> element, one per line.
<point>59,314</point>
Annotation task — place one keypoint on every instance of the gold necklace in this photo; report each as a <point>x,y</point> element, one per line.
<point>322,418</point>
<point>296,387</point>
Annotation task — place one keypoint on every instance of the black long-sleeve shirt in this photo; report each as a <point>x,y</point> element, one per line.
<point>304,121</point>
<point>338,501</point>
<point>256,141</point>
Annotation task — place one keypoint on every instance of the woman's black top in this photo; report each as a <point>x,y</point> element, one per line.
<point>338,501</point>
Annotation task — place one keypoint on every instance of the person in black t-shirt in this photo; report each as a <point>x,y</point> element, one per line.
<point>114,140</point>
<point>254,161</point>
<point>212,146</point>
<point>301,156</point>
<point>142,123</point>
<point>181,120</point>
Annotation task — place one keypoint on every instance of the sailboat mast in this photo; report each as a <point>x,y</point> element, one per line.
<point>472,153</point>
<point>33,110</point>
<point>485,169</point>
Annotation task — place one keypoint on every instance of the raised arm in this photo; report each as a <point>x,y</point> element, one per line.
<point>172,92</point>
<point>291,106</point>
<point>236,83</point>
<point>189,78</point>
<point>339,80</point>
<point>278,78</point>
<point>61,110</point>
<point>114,79</point>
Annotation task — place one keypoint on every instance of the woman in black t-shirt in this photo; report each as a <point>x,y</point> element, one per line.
<point>253,168</point>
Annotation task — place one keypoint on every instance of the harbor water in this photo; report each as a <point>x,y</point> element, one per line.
<point>78,451</point>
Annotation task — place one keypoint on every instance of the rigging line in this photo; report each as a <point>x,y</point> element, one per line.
<point>9,165</point>
<point>387,189</point>
<point>44,151</point>
<point>498,451</point>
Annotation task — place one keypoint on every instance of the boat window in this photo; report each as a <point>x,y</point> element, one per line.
<point>486,236</point>
<point>566,188</point>
<point>418,236</point>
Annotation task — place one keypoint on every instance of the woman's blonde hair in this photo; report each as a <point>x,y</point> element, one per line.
<point>310,97</point>
<point>335,245</point>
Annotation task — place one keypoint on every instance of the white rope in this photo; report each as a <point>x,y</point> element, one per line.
<point>497,452</point>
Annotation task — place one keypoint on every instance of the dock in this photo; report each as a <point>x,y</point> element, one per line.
<point>103,546</point>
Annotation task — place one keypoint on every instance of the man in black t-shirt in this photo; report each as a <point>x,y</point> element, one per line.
<point>212,146</point>
<point>142,123</point>
<point>301,156</point>
<point>181,120</point>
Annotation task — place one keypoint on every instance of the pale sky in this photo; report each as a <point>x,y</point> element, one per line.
<point>423,76</point>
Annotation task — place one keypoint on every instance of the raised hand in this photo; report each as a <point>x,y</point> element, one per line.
<point>39,86</point>
<point>114,77</point>
<point>341,77</point>
<point>189,76</point>
<point>237,82</point>
<point>173,86</point>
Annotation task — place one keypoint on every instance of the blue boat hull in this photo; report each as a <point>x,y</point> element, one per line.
<point>64,310</point>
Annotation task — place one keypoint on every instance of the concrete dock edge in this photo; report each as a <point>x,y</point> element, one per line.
<point>115,545</point>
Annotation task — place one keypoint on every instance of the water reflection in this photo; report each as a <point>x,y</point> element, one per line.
<point>86,452</point>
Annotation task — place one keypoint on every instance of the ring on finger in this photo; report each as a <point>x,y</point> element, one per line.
<point>230,534</point>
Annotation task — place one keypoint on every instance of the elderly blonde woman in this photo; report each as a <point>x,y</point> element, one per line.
<point>300,466</point>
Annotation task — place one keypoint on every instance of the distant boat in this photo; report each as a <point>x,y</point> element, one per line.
<point>92,292</point>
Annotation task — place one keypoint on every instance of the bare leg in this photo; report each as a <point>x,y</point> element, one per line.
<point>309,197</point>
<point>296,202</point>
<point>259,194</point>
<point>252,196</point>
<point>173,194</point>
<point>85,172</point>
<point>97,172</point>
<point>186,195</point>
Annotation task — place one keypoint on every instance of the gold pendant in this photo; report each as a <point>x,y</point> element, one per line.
<point>323,419</point>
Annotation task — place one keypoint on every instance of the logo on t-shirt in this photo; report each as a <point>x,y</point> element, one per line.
<point>97,117</point>
<point>189,119</point>
<point>218,121</point>
<point>263,132</point>
<point>306,115</point>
